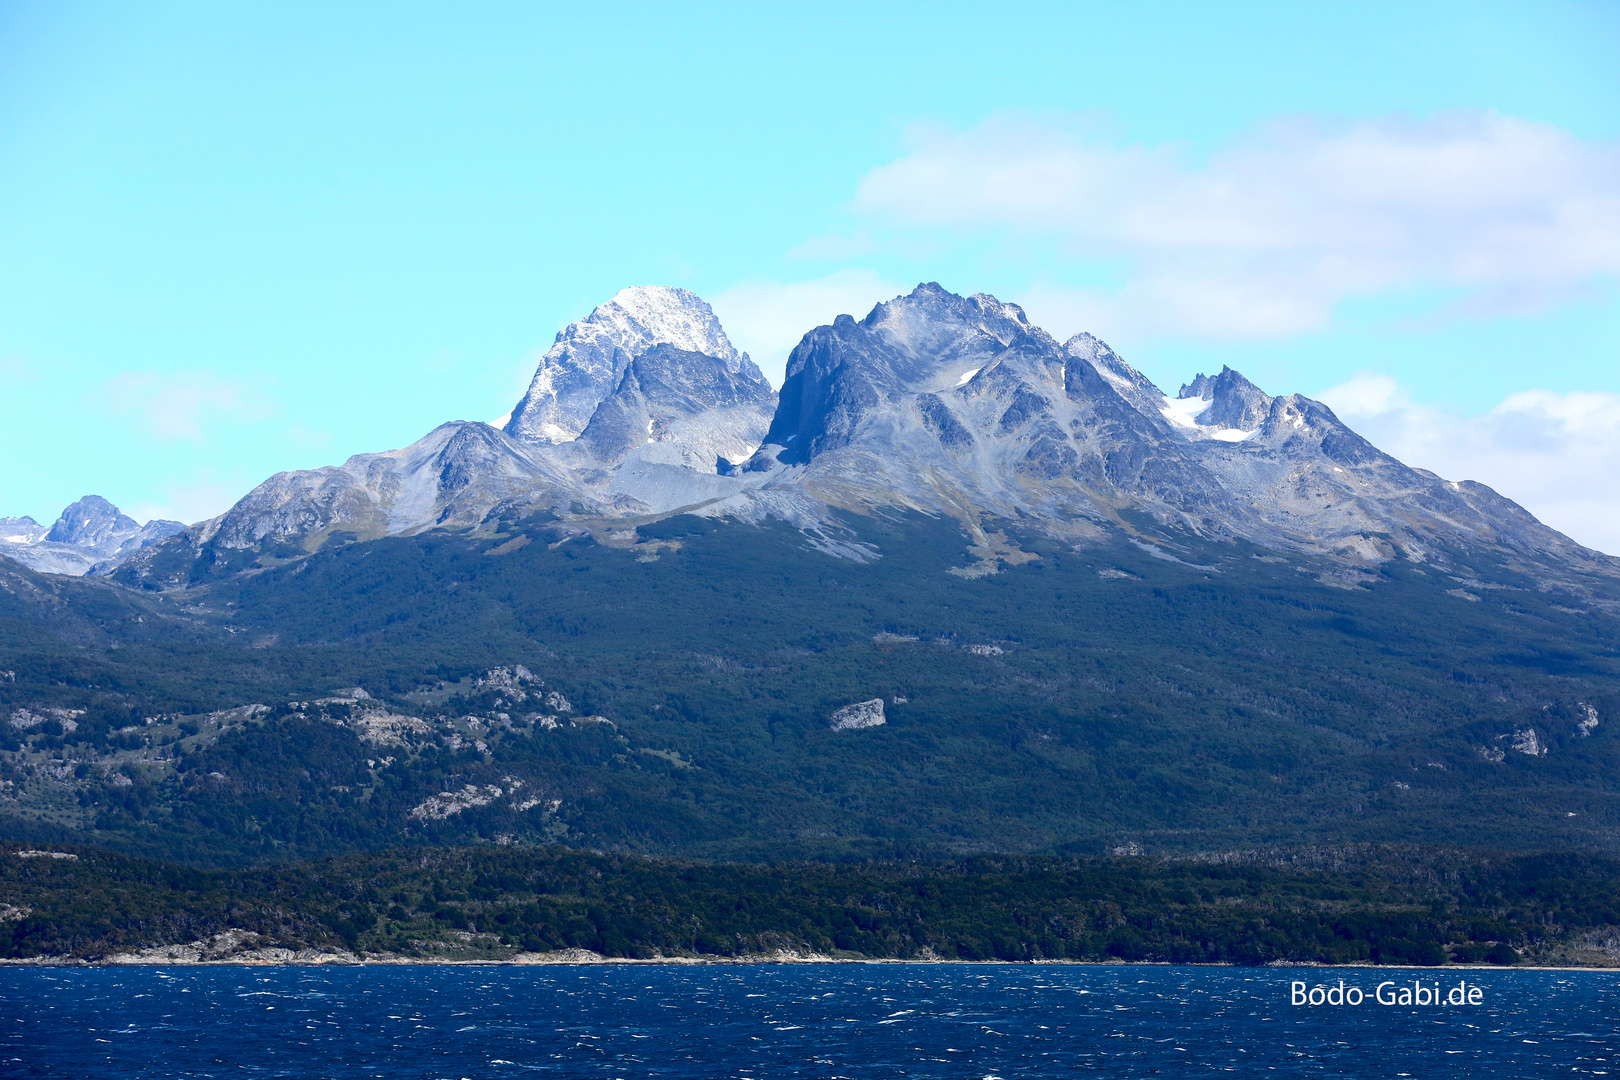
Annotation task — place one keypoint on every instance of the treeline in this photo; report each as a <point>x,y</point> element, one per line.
<point>1383,905</point>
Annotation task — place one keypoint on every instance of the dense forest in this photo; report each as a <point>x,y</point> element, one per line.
<point>1368,904</point>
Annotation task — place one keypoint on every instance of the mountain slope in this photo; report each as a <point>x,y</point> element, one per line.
<point>451,476</point>
<point>1072,613</point>
<point>946,405</point>
<point>700,408</point>
<point>659,426</point>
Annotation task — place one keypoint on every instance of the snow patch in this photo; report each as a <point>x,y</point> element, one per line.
<point>1183,412</point>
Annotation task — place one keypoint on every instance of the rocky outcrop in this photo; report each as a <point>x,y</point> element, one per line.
<point>701,411</point>
<point>862,714</point>
<point>1232,403</point>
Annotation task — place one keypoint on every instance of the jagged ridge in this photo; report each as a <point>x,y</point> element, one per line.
<point>934,402</point>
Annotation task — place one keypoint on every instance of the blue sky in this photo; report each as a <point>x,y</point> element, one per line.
<point>239,239</point>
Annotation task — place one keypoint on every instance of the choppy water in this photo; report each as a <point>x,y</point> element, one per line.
<point>990,1021</point>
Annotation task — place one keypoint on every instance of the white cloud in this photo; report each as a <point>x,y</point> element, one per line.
<point>1557,455</point>
<point>766,319</point>
<point>176,405</point>
<point>305,436</point>
<point>17,369</point>
<point>1265,237</point>
<point>197,500</point>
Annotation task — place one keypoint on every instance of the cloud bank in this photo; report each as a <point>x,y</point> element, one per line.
<point>190,501</point>
<point>1278,226</point>
<point>177,405</point>
<point>1557,455</point>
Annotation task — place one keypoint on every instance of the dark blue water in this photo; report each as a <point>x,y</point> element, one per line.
<point>990,1021</point>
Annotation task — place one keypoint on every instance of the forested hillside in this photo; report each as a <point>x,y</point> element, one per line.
<point>1361,904</point>
<point>678,683</point>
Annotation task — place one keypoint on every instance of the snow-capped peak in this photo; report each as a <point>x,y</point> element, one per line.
<point>590,356</point>
<point>650,315</point>
<point>1230,406</point>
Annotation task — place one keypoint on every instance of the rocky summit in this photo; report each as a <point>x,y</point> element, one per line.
<point>954,407</point>
<point>590,357</point>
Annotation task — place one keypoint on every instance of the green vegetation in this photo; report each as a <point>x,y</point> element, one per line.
<point>1132,700</point>
<point>1374,904</point>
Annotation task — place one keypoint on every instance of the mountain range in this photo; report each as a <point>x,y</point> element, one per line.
<point>91,536</point>
<point>953,407</point>
<point>956,587</point>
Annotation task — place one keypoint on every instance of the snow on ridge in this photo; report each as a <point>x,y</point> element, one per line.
<point>1183,413</point>
<point>663,314</point>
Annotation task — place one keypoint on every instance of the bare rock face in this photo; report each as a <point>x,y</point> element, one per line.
<point>590,357</point>
<point>1234,403</point>
<point>659,425</point>
<point>862,714</point>
<point>959,405</point>
<point>90,522</point>
<point>21,530</point>
<point>707,412</point>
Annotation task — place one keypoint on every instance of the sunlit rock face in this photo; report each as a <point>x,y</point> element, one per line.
<point>959,405</point>
<point>711,413</point>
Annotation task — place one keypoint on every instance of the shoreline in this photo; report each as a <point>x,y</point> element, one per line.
<point>176,956</point>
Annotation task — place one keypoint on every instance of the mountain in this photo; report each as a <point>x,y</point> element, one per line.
<point>21,530</point>
<point>452,476</point>
<point>639,409</point>
<point>682,686</point>
<point>589,357</point>
<point>90,536</point>
<point>703,413</point>
<point>960,406</point>
<point>1226,402</point>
